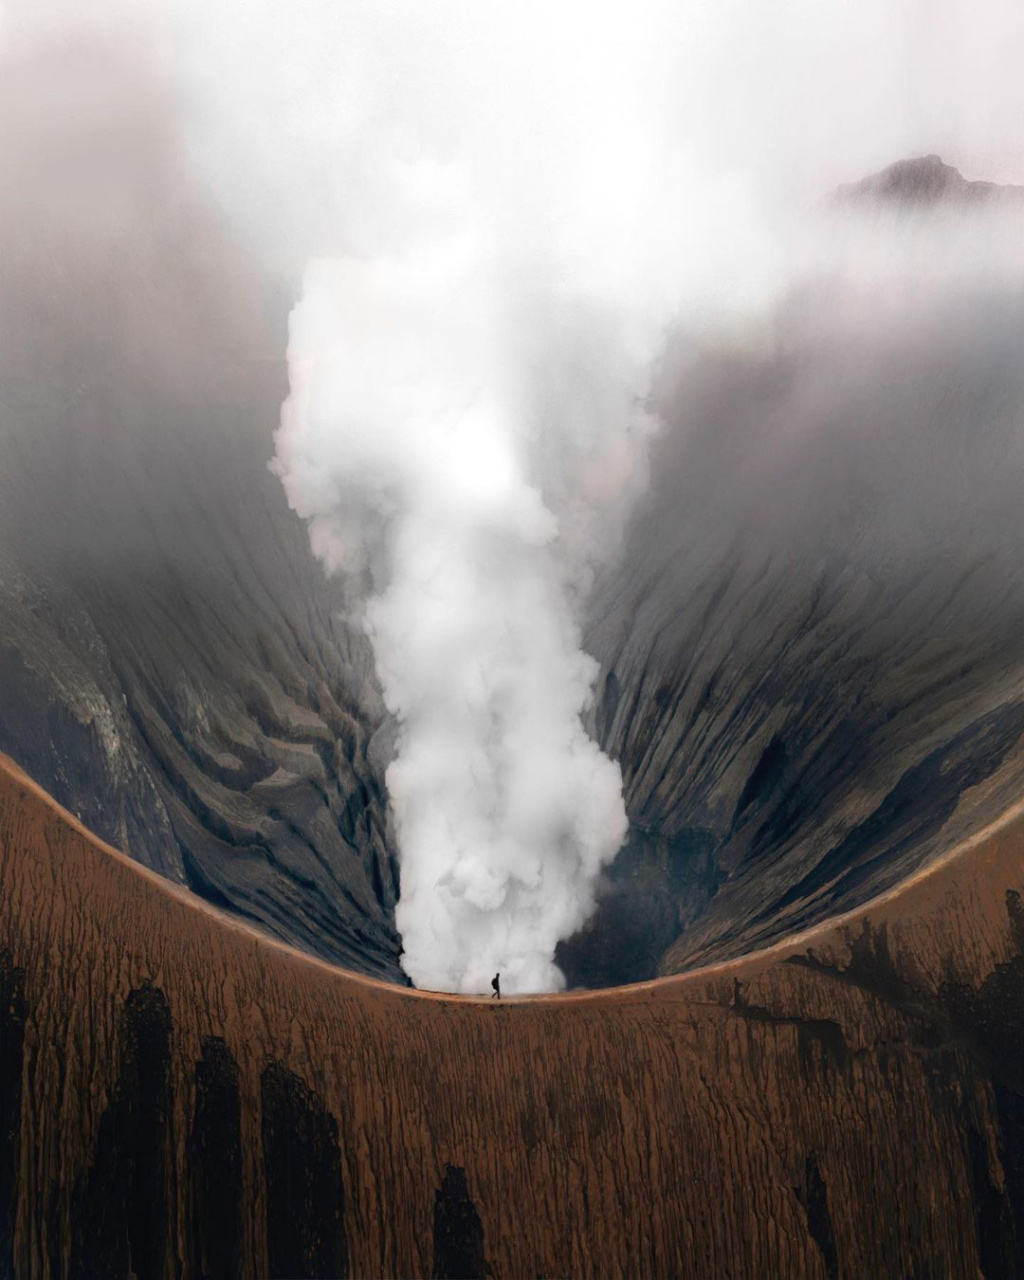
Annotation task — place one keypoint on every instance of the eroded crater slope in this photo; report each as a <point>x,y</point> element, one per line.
<point>810,646</point>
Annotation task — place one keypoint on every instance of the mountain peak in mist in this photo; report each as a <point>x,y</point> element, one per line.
<point>923,181</point>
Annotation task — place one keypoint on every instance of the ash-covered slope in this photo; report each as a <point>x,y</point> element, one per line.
<point>173,664</point>
<point>814,644</point>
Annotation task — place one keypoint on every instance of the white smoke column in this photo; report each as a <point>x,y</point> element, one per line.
<point>405,446</point>
<point>467,429</point>
<point>465,432</point>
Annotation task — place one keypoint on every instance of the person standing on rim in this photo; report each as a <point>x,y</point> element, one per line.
<point>496,984</point>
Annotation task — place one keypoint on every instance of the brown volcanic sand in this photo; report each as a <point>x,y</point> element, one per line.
<point>849,1103</point>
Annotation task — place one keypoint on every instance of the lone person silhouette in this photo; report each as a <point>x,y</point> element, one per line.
<point>496,984</point>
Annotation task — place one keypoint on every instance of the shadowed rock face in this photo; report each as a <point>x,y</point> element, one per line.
<point>305,1196</point>
<point>810,647</point>
<point>215,1161</point>
<point>924,181</point>
<point>849,1103</point>
<point>813,653</point>
<point>12,1051</point>
<point>813,666</point>
<point>119,1208</point>
<point>458,1234</point>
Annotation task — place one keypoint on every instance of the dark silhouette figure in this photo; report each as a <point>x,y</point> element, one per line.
<point>496,984</point>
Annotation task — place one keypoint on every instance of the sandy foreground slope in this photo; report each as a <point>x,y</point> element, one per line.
<point>181,1096</point>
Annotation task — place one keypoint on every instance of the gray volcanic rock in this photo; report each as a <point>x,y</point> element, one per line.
<point>173,663</point>
<point>813,646</point>
<point>924,181</point>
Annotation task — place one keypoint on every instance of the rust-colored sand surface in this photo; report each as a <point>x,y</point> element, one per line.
<point>180,1096</point>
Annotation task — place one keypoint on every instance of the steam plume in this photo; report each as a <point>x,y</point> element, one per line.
<point>465,431</point>
<point>451,473</point>
<point>514,207</point>
<point>403,446</point>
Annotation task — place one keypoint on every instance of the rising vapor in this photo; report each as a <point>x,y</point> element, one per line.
<point>468,424</point>
<point>403,447</point>
<point>466,428</point>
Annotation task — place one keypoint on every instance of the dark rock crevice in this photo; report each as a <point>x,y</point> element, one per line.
<point>458,1232</point>
<point>122,1205</point>
<point>13,1012</point>
<point>302,1169</point>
